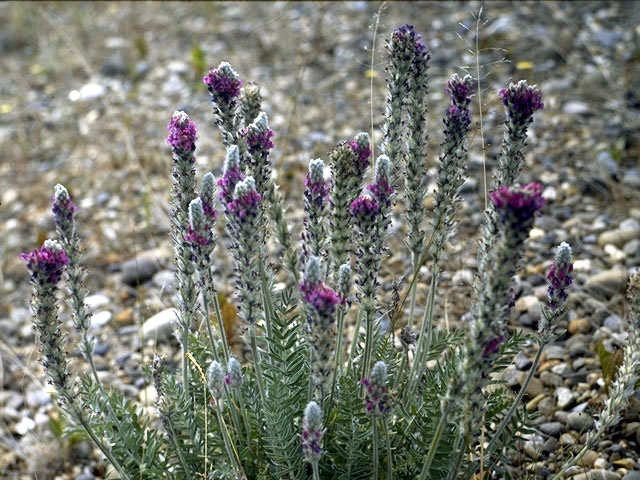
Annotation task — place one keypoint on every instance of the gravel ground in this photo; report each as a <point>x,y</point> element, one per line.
<point>85,97</point>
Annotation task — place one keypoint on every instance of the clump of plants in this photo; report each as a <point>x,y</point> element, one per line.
<point>307,402</point>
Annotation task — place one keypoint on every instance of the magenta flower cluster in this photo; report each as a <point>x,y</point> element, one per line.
<point>493,346</point>
<point>182,133</point>
<point>407,34</point>
<point>48,262</point>
<point>221,83</point>
<point>460,90</point>
<point>63,209</point>
<point>560,277</point>
<point>520,202</point>
<point>363,153</point>
<point>319,189</point>
<point>228,183</point>
<point>193,236</point>
<point>321,299</point>
<point>377,395</point>
<point>245,205</point>
<point>365,208</point>
<point>521,99</point>
<point>257,140</point>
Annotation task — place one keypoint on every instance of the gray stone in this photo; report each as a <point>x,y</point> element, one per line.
<point>141,268</point>
<point>100,319</point>
<point>565,397</point>
<point>632,475</point>
<point>551,379</point>
<point>533,446</point>
<point>522,361</point>
<point>597,474</point>
<point>165,280</point>
<point>554,352</point>
<point>575,108</point>
<point>613,323</point>
<point>160,325</point>
<point>618,237</point>
<point>607,164</point>
<point>566,439</point>
<point>96,301</point>
<point>631,178</point>
<point>632,248</point>
<point>607,283</point>
<point>552,428</point>
<point>579,421</point>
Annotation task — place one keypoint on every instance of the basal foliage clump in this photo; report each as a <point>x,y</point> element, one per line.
<point>306,402</point>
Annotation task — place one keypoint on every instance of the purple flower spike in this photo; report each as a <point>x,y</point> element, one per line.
<point>460,90</point>
<point>246,200</point>
<point>62,207</point>
<point>377,396</point>
<point>231,175</point>
<point>381,188</point>
<point>258,135</point>
<point>365,208</point>
<point>361,147</point>
<point>520,202</point>
<point>223,82</point>
<point>560,277</point>
<point>312,433</point>
<point>522,100</point>
<point>46,263</point>
<point>407,33</point>
<point>182,133</point>
<point>322,300</point>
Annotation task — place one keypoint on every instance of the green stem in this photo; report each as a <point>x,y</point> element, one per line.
<point>256,364</point>
<point>424,341</point>
<point>316,473</point>
<point>354,343</point>
<point>374,424</point>
<point>436,440</point>
<point>338,369</point>
<point>385,428</point>
<point>414,291</point>
<point>577,458</point>
<point>243,413</point>
<point>453,473</point>
<point>514,406</point>
<point>267,300</point>
<point>231,451</point>
<point>185,467</point>
<point>368,343</point>
<point>205,307</point>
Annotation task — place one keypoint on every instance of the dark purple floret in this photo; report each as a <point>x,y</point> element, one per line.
<point>194,237</point>
<point>521,99</point>
<point>406,33</point>
<point>245,205</point>
<point>375,398</point>
<point>258,141</point>
<point>222,82</point>
<point>228,183</point>
<point>381,190</point>
<point>319,190</point>
<point>363,153</point>
<point>63,209</point>
<point>209,210</point>
<point>182,133</point>
<point>521,202</point>
<point>560,278</point>
<point>364,207</point>
<point>322,299</point>
<point>460,90</point>
<point>493,346</point>
<point>48,261</point>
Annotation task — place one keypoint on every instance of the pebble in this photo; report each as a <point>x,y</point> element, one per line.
<point>551,379</point>
<point>554,352</point>
<point>627,463</point>
<point>160,325</point>
<point>614,253</point>
<point>533,446</point>
<point>532,405</point>
<point>565,397</point>
<point>579,421</point>
<point>632,248</point>
<point>100,319</point>
<point>579,325</point>
<point>631,178</point>
<point>597,474</point>
<point>142,268</point>
<point>635,475</point>
<point>566,440</point>
<point>551,428</point>
<point>93,302</point>
<point>522,361</point>
<point>606,283</point>
<point>125,317</point>
<point>575,108</point>
<point>535,386</point>
<point>24,426</point>
<point>588,459</point>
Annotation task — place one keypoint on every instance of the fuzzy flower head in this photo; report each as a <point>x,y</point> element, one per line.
<point>234,373</point>
<point>47,263</point>
<point>312,433</point>
<point>258,135</point>
<point>215,379</point>
<point>312,275</point>
<point>381,188</point>
<point>377,396</point>
<point>406,39</point>
<point>63,210</point>
<point>322,302</point>
<point>246,200</point>
<point>182,133</point>
<point>199,232</point>
<point>460,90</point>
<point>315,182</point>
<point>365,209</point>
<point>231,175</point>
<point>223,82</point>
<point>560,276</point>
<point>207,197</point>
<point>518,203</point>
<point>521,101</point>
<point>493,346</point>
<point>361,146</point>
<point>344,281</point>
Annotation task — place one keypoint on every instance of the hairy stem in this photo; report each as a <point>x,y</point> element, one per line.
<point>436,440</point>
<point>387,440</point>
<point>374,424</point>
<point>256,364</point>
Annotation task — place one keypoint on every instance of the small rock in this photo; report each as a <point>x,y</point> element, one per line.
<point>551,379</point>
<point>613,323</point>
<point>579,325</point>
<point>532,405</point>
<point>125,317</point>
<point>634,475</point>
<point>24,426</point>
<point>463,277</point>
<point>37,398</point>
<point>140,269</point>
<point>627,463</point>
<point>100,319</point>
<point>535,386</point>
<point>522,361</point>
<point>614,253</point>
<point>607,164</point>
<point>588,459</point>
<point>565,397</point>
<point>575,108</point>
<point>165,280</point>
<point>160,325</point>
<point>562,369</point>
<point>566,440</point>
<point>148,395</point>
<point>90,91</point>
<point>632,248</point>
<point>551,428</point>
<point>607,283</point>
<point>533,446</point>
<point>579,421</point>
<point>597,474</point>
<point>554,352</point>
<point>631,178</point>
<point>93,302</point>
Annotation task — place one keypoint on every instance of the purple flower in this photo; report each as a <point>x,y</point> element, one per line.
<point>223,82</point>
<point>193,236</point>
<point>315,183</point>
<point>46,263</point>
<point>246,200</point>
<point>519,202</point>
<point>182,133</point>
<point>321,299</point>
<point>377,396</point>
<point>312,433</point>
<point>258,140</point>
<point>62,207</point>
<point>381,189</point>
<point>360,146</point>
<point>234,373</point>
<point>231,175</point>
<point>364,208</point>
<point>493,346</point>
<point>460,90</point>
<point>407,34</point>
<point>521,100</point>
<point>560,276</point>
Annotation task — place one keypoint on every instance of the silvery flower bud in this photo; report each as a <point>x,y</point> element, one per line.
<point>215,379</point>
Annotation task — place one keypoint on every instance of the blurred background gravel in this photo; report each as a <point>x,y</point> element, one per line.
<point>87,90</point>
